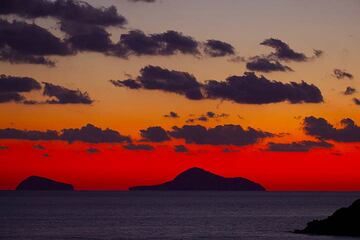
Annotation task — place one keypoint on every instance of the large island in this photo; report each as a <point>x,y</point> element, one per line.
<point>197,179</point>
<point>35,183</point>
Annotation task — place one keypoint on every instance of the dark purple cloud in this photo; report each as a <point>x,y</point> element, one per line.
<point>21,42</point>
<point>216,48</point>
<point>157,78</point>
<point>129,83</point>
<point>86,37</point>
<point>12,86</point>
<point>70,10</point>
<point>9,55</point>
<point>139,147</point>
<point>18,84</point>
<point>11,133</point>
<point>63,95</point>
<point>11,97</point>
<point>342,74</point>
<point>154,134</point>
<point>283,51</point>
<point>92,134</point>
<point>266,65</point>
<point>251,89</point>
<point>349,91</point>
<point>219,135</point>
<point>303,146</point>
<point>168,43</point>
<point>322,129</point>
<point>30,39</point>
<point>88,133</point>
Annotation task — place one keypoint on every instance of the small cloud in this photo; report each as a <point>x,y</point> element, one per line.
<point>172,115</point>
<point>357,101</point>
<point>350,91</point>
<point>181,149</point>
<point>342,74</point>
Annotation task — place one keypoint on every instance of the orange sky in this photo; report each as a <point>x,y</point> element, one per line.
<point>331,26</point>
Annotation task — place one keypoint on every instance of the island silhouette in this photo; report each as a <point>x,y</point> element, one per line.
<point>35,183</point>
<point>344,222</point>
<point>197,179</point>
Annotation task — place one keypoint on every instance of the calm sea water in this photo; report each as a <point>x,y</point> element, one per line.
<point>163,215</point>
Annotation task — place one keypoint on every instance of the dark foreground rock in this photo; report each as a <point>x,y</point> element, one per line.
<point>35,183</point>
<point>196,179</point>
<point>344,222</point>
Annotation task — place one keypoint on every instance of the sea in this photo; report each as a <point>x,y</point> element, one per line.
<point>165,215</point>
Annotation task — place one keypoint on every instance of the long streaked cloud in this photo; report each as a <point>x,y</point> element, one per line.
<point>322,129</point>
<point>219,135</point>
<point>303,146</point>
<point>262,64</point>
<point>88,134</point>
<point>248,89</point>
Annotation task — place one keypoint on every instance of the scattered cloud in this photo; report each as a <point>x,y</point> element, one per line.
<point>322,129</point>
<point>172,115</point>
<point>21,42</point>
<point>63,95</point>
<point>219,135</point>
<point>216,48</point>
<point>356,101</point>
<point>249,88</point>
<point>342,74</point>
<point>86,37</point>
<point>88,133</point>
<point>154,134</point>
<point>350,91</point>
<point>157,78</point>
<point>284,52</point>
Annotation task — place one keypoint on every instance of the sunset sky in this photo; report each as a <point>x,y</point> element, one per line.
<point>128,97</point>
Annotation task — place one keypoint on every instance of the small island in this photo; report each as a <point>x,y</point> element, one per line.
<point>197,179</point>
<point>35,183</point>
<point>344,222</point>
